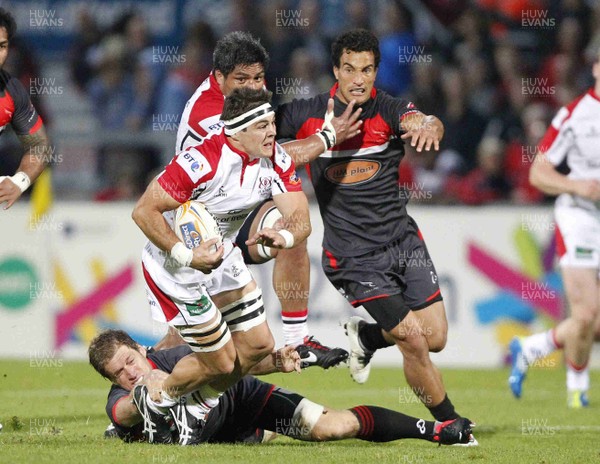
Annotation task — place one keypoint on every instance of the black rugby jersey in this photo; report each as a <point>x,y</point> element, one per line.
<point>16,108</point>
<point>356,182</point>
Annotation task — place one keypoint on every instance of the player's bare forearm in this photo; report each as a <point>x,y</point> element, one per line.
<point>305,150</point>
<point>266,366</point>
<point>37,153</point>
<point>293,207</point>
<point>125,412</point>
<point>544,177</point>
<point>147,214</point>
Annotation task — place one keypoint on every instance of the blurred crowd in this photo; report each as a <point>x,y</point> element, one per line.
<point>494,71</point>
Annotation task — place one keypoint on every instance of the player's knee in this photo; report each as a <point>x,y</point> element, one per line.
<point>437,342</point>
<point>223,365</point>
<point>584,320</point>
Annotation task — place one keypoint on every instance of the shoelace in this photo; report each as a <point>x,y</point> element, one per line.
<point>314,343</point>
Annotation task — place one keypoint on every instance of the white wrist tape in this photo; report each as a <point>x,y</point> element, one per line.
<point>182,254</point>
<point>288,237</point>
<point>327,132</point>
<point>21,180</point>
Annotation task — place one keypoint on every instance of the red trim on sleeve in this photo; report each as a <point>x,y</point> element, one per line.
<point>434,295</point>
<point>152,363</point>
<point>36,126</point>
<point>552,132</point>
<point>114,410</point>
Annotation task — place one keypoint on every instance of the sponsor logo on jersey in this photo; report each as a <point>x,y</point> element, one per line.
<point>221,192</point>
<point>282,159</point>
<point>434,277</point>
<point>194,164</point>
<point>294,179</point>
<point>352,172</point>
<point>265,185</point>
<point>191,237</point>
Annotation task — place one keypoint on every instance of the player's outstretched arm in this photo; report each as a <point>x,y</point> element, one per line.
<point>147,214</point>
<point>35,159</point>
<point>335,130</point>
<point>544,177</point>
<point>424,131</point>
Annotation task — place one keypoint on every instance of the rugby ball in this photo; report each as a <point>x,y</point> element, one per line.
<point>194,224</point>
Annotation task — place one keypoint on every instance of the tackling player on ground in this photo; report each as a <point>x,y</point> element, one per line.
<point>572,140</point>
<point>240,61</point>
<point>17,110</point>
<point>249,407</point>
<point>373,251</point>
<point>207,293</point>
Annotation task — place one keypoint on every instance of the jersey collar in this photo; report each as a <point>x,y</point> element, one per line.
<point>592,93</point>
<point>214,84</point>
<point>245,158</point>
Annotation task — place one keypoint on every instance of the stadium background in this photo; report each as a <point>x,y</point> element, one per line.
<point>110,79</point>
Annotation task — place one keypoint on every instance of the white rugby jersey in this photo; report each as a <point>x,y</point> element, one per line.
<point>230,186</point>
<point>201,115</point>
<point>225,180</point>
<point>574,137</point>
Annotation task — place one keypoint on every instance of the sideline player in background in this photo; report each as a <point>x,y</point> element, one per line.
<point>250,406</point>
<point>373,251</point>
<point>573,139</point>
<point>207,293</point>
<point>17,110</point>
<point>239,61</point>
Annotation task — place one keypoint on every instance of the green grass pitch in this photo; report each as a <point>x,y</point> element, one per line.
<point>55,414</point>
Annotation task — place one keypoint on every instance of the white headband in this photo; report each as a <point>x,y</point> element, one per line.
<point>233,126</point>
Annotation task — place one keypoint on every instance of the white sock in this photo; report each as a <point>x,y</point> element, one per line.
<point>295,327</point>
<point>162,406</point>
<point>204,399</point>
<point>538,346</point>
<point>578,379</point>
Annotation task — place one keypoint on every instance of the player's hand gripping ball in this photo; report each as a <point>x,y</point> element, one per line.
<point>194,224</point>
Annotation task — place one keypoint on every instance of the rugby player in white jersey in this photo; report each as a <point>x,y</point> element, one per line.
<point>208,294</point>
<point>240,61</point>
<point>572,140</point>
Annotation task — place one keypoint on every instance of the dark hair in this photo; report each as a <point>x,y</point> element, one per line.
<point>104,346</point>
<point>242,100</point>
<point>238,48</point>
<point>357,40</point>
<point>8,22</point>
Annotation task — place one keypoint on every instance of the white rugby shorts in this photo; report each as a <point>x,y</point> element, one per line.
<point>181,295</point>
<point>577,236</point>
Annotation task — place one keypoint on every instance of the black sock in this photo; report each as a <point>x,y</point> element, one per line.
<point>371,337</point>
<point>380,425</point>
<point>444,411</point>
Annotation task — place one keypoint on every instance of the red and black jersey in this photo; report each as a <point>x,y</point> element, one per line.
<point>356,182</point>
<point>16,108</point>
